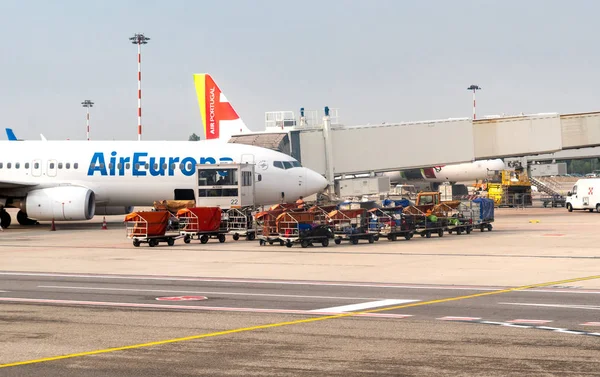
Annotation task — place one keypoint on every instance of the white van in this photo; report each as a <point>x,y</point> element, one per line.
<point>585,195</point>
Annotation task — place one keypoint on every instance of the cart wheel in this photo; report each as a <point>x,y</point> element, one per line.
<point>468,230</point>
<point>204,238</point>
<point>394,237</point>
<point>281,243</point>
<point>376,238</point>
<point>449,231</point>
<point>489,227</point>
<point>325,242</point>
<point>458,231</point>
<point>187,239</point>
<point>136,243</point>
<point>221,238</point>
<point>261,242</point>
<point>251,236</point>
<point>304,244</point>
<point>441,232</point>
<point>170,242</point>
<point>408,236</point>
<point>428,234</point>
<point>371,239</point>
<point>288,244</point>
<point>354,241</point>
<point>152,243</point>
<point>422,234</point>
<point>236,237</point>
<point>337,241</point>
<point>482,228</point>
<point>270,242</point>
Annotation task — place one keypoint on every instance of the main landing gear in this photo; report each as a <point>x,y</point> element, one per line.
<point>24,220</point>
<point>5,219</point>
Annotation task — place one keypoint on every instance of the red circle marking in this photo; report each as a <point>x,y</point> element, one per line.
<point>182,298</point>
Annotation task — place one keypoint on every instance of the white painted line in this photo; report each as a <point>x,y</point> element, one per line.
<point>530,321</point>
<point>587,307</point>
<point>591,324</point>
<point>362,306</point>
<point>449,318</point>
<point>207,292</point>
<point>514,325</point>
<point>574,332</point>
<point>296,282</point>
<point>185,307</point>
<point>548,328</point>
<point>491,323</point>
<point>594,333</point>
<point>3,291</point>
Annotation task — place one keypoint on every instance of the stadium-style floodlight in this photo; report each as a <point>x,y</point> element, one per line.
<point>139,40</point>
<point>87,104</point>
<point>474,88</point>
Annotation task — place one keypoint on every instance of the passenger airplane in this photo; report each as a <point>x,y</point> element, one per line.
<point>75,180</point>
<point>470,171</point>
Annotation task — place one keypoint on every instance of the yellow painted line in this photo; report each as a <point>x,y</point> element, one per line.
<point>295,322</point>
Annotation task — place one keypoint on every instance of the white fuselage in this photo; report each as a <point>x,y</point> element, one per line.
<point>137,173</point>
<point>471,171</point>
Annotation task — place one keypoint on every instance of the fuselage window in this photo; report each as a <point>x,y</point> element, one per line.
<point>27,165</point>
<point>52,165</point>
<point>119,166</point>
<point>68,165</point>
<point>8,165</point>
<point>173,166</point>
<point>147,166</point>
<point>60,165</point>
<point>110,165</point>
<point>127,166</point>
<point>155,166</point>
<point>17,165</point>
<point>137,166</point>
<point>258,177</point>
<point>287,165</point>
<point>1,165</point>
<point>36,165</point>
<point>76,166</point>
<point>164,166</point>
<point>189,166</point>
<point>278,164</point>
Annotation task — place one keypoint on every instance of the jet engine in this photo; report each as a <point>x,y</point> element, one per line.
<point>60,203</point>
<point>112,210</point>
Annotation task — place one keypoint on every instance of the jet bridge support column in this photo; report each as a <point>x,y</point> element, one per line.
<point>329,173</point>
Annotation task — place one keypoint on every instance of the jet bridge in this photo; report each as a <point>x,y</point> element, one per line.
<point>333,149</point>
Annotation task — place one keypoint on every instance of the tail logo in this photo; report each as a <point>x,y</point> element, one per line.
<point>214,107</point>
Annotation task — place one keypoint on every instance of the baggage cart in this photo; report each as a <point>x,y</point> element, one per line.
<point>203,223</point>
<point>425,223</point>
<point>266,227</point>
<point>300,227</point>
<point>151,228</point>
<point>462,217</point>
<point>392,223</point>
<point>350,225</point>
<point>240,223</point>
<point>484,219</point>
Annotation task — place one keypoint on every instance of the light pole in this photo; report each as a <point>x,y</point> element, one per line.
<point>474,88</point>
<point>139,39</point>
<point>87,104</point>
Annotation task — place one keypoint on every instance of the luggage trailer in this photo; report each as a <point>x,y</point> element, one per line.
<point>151,228</point>
<point>302,228</point>
<point>350,225</point>
<point>391,223</point>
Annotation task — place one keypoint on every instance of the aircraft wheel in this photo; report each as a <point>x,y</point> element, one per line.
<point>5,219</point>
<point>24,220</point>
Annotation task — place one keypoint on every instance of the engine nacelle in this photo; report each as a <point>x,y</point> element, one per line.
<point>112,210</point>
<point>60,203</point>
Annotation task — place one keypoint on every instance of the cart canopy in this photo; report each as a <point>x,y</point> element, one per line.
<point>486,208</point>
<point>154,223</point>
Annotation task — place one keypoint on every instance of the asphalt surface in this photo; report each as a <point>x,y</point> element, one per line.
<point>510,333</point>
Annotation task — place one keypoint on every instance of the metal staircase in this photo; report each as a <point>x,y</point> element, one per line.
<point>545,187</point>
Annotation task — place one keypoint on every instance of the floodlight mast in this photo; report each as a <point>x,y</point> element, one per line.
<point>139,39</point>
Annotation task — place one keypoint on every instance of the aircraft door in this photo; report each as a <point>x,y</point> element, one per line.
<point>51,168</point>
<point>36,168</point>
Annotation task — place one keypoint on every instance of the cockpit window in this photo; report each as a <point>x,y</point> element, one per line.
<point>287,164</point>
<point>278,164</point>
<point>296,164</point>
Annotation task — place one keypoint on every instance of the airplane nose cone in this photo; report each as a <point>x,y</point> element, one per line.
<point>315,182</point>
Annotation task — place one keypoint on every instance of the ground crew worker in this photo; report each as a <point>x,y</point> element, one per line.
<point>300,202</point>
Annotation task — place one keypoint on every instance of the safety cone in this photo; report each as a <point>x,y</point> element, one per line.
<point>52,228</point>
<point>104,227</point>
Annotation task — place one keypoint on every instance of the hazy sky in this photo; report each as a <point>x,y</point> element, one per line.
<point>375,60</point>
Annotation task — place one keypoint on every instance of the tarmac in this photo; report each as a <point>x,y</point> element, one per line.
<point>520,300</point>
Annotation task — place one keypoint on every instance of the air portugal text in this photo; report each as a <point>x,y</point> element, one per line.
<point>141,165</point>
